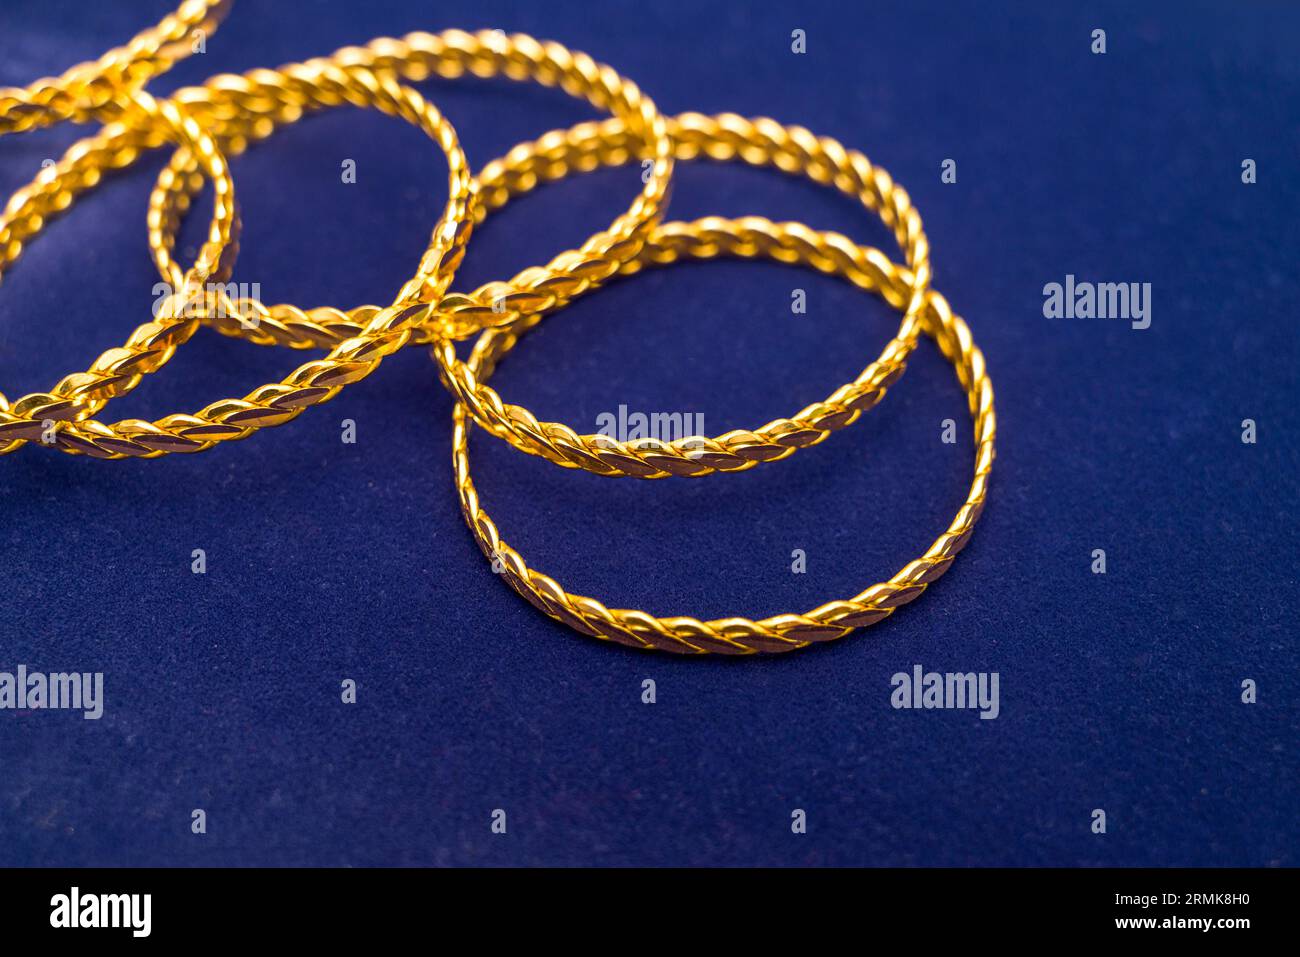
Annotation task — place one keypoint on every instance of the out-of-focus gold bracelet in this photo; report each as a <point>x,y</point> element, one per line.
<point>87,88</point>
<point>50,417</point>
<point>750,237</point>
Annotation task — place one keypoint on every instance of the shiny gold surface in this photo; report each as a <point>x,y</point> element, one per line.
<point>85,90</point>
<point>47,417</point>
<point>238,109</point>
<point>229,112</point>
<point>384,332</point>
<point>750,237</point>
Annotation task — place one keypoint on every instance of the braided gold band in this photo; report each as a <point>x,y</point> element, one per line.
<point>386,331</point>
<point>327,83</point>
<point>759,142</point>
<point>230,112</point>
<point>87,88</point>
<point>554,156</point>
<point>750,237</point>
<point>47,416</point>
<point>241,108</point>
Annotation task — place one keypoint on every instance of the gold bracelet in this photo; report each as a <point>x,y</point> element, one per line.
<point>750,237</point>
<point>759,142</point>
<point>386,330</point>
<point>584,147</point>
<point>324,83</point>
<point>242,108</point>
<point>87,88</point>
<point>229,112</point>
<point>46,416</point>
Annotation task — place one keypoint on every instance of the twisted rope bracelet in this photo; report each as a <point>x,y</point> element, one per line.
<point>82,92</point>
<point>386,331</point>
<point>345,79</point>
<point>239,109</point>
<point>229,112</point>
<point>751,237</point>
<point>49,416</point>
<point>760,142</point>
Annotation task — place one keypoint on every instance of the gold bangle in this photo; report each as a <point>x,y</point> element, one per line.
<point>748,237</point>
<point>241,108</point>
<point>43,416</point>
<point>386,330</point>
<point>760,142</point>
<point>87,88</point>
<point>324,83</point>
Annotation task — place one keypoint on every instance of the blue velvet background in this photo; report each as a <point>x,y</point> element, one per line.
<point>329,561</point>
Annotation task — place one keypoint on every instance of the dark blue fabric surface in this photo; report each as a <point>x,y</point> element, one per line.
<point>329,561</point>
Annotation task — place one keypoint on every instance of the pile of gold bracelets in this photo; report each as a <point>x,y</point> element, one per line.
<point>223,116</point>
